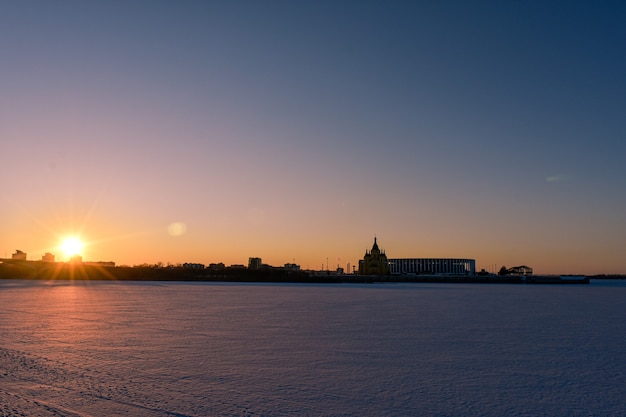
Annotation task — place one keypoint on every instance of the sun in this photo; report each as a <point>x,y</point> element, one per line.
<point>71,246</point>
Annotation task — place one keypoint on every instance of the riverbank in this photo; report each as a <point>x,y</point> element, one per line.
<point>68,271</point>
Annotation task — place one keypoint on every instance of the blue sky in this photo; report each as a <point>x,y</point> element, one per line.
<point>293,130</point>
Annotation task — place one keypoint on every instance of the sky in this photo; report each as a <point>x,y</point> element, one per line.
<point>190,131</point>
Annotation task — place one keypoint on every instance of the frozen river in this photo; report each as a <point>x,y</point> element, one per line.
<point>206,349</point>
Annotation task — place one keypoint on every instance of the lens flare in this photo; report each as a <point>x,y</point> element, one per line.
<point>177,229</point>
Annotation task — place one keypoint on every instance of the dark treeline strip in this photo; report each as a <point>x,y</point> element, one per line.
<point>67,271</point>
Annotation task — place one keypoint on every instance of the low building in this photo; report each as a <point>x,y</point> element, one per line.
<point>76,259</point>
<point>108,264</point>
<point>518,270</point>
<point>255,263</point>
<point>432,266</point>
<point>292,267</point>
<point>18,255</point>
<point>47,257</point>
<point>189,265</point>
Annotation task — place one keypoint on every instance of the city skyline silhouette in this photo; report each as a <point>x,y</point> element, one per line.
<point>217,131</point>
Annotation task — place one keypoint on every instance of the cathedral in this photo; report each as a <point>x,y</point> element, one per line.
<point>374,262</point>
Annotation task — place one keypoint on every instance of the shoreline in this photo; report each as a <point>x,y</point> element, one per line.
<point>64,271</point>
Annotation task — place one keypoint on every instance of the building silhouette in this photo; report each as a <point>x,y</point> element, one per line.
<point>291,267</point>
<point>76,259</point>
<point>374,262</point>
<point>18,255</point>
<point>48,257</point>
<point>255,263</point>
<point>432,266</point>
<point>191,265</point>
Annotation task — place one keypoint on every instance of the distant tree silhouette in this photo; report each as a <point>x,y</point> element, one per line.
<point>503,271</point>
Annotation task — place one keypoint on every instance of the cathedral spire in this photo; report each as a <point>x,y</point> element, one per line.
<point>374,262</point>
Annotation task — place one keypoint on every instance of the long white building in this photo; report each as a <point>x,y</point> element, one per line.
<point>432,266</point>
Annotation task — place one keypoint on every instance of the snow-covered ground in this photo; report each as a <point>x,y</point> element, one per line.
<point>201,349</point>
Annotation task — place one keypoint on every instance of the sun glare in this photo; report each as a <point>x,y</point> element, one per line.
<point>71,246</point>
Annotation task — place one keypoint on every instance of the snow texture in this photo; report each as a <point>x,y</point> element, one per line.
<point>202,349</point>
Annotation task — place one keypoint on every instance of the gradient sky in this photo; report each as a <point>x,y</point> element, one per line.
<point>190,131</point>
